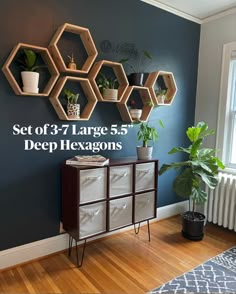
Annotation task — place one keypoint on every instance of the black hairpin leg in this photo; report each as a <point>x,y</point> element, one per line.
<point>79,264</point>
<point>70,245</point>
<point>137,229</point>
<point>149,235</point>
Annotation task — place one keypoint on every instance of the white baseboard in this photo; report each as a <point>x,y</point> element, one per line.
<point>27,252</point>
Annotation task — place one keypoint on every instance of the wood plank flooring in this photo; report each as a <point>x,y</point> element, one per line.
<point>122,263</point>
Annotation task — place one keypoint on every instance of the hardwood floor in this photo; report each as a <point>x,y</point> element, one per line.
<point>122,263</point>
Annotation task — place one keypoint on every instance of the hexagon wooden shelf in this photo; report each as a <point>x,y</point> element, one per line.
<point>146,100</point>
<point>88,92</point>
<point>118,72</point>
<point>88,44</point>
<point>47,59</point>
<point>168,83</point>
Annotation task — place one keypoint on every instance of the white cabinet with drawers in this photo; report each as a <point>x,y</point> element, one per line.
<point>96,200</point>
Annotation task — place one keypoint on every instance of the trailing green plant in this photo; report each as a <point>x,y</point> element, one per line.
<point>147,133</point>
<point>138,67</point>
<point>160,92</point>
<point>201,166</point>
<point>28,60</point>
<point>104,82</point>
<point>71,97</point>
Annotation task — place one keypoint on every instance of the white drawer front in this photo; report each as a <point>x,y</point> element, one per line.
<point>145,176</point>
<point>144,206</point>
<point>92,219</point>
<point>120,212</point>
<point>92,184</point>
<point>120,180</point>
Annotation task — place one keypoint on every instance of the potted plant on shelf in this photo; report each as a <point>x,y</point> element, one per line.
<point>136,77</point>
<point>107,86</point>
<point>145,134</point>
<point>200,167</point>
<point>73,108</point>
<point>135,113</point>
<point>30,78</point>
<point>161,95</point>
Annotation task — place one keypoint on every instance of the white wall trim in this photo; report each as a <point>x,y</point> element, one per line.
<point>34,250</point>
<point>173,10</point>
<point>219,15</point>
<point>188,16</point>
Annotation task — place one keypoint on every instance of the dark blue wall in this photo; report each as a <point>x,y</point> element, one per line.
<point>30,180</point>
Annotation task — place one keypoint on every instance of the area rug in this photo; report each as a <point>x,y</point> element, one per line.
<point>217,275</point>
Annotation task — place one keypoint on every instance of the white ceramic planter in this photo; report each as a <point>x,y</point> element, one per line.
<point>73,111</point>
<point>110,94</point>
<point>30,81</point>
<point>135,113</point>
<point>144,152</point>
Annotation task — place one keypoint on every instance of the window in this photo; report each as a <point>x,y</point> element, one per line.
<point>226,130</point>
<point>232,115</point>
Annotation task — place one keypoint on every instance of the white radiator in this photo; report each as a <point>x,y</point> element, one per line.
<point>221,206</point>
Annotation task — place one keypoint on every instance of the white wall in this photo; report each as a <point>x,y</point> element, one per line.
<point>214,35</point>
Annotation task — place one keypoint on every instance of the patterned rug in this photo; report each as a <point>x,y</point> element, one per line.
<point>217,275</point>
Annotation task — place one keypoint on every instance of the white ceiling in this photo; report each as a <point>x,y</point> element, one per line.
<point>199,9</point>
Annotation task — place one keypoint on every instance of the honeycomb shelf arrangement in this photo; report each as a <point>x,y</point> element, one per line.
<point>87,91</point>
<point>47,59</point>
<point>87,42</point>
<point>118,73</point>
<point>162,87</point>
<point>159,89</point>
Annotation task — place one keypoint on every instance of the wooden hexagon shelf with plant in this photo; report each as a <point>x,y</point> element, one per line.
<point>73,49</point>
<point>108,80</point>
<point>21,69</point>
<point>136,104</point>
<point>162,87</point>
<point>73,98</point>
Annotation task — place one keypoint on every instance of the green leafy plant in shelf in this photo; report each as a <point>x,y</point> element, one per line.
<point>71,97</point>
<point>28,60</point>
<point>104,82</point>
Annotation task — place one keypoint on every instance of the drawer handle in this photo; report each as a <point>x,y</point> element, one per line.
<point>143,203</point>
<point>121,175</point>
<point>97,178</point>
<point>85,216</point>
<point>116,209</point>
<point>144,171</point>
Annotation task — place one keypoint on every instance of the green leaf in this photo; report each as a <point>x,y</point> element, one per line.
<point>123,60</point>
<point>210,180</point>
<point>30,58</point>
<point>195,147</point>
<point>174,165</point>
<point>179,149</point>
<point>219,163</point>
<point>183,183</point>
<point>193,133</point>
<point>198,196</point>
<point>147,54</point>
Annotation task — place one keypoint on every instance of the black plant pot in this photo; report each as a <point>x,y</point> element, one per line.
<point>193,225</point>
<point>136,79</point>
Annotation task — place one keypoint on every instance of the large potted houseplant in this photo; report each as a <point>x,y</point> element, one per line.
<point>73,108</point>
<point>107,86</point>
<point>146,134</point>
<point>200,167</point>
<point>136,76</point>
<point>30,78</point>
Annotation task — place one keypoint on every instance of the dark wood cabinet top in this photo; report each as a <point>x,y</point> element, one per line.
<point>115,162</point>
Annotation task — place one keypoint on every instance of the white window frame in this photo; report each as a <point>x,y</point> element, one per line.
<point>224,124</point>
